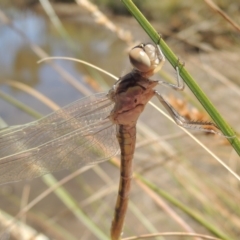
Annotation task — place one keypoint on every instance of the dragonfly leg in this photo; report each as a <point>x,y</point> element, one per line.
<point>160,54</point>
<point>185,123</point>
<point>180,84</point>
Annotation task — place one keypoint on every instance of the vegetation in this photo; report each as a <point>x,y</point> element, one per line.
<point>178,185</point>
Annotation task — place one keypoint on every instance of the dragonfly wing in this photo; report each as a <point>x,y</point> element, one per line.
<point>76,115</point>
<point>82,137</point>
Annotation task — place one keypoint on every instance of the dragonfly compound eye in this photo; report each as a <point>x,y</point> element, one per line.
<point>140,59</point>
<point>150,50</point>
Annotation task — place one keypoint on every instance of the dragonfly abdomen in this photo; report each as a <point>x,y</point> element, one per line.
<point>127,138</point>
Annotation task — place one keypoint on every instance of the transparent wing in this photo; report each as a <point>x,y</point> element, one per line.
<point>76,135</point>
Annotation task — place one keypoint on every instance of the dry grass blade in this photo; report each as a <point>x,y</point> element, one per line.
<point>178,234</point>
<point>215,8</point>
<point>42,54</point>
<point>103,20</point>
<point>33,92</point>
<point>19,230</point>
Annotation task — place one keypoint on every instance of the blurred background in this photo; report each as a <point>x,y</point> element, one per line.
<point>195,193</point>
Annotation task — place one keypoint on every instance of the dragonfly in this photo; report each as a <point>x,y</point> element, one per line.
<point>92,130</point>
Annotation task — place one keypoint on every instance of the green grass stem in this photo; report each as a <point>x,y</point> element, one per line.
<point>187,78</point>
<point>190,212</point>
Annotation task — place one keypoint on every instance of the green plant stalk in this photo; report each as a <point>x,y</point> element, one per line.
<point>200,95</point>
<point>143,219</point>
<point>66,198</point>
<point>193,214</point>
<point>56,22</point>
<point>20,105</point>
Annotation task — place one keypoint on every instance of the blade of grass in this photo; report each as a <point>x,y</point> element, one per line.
<point>20,229</point>
<point>132,207</point>
<point>73,206</point>
<point>56,22</point>
<point>190,212</point>
<point>42,54</point>
<point>20,105</point>
<point>188,79</point>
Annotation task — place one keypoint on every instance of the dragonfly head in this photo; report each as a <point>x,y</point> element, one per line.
<point>145,59</point>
